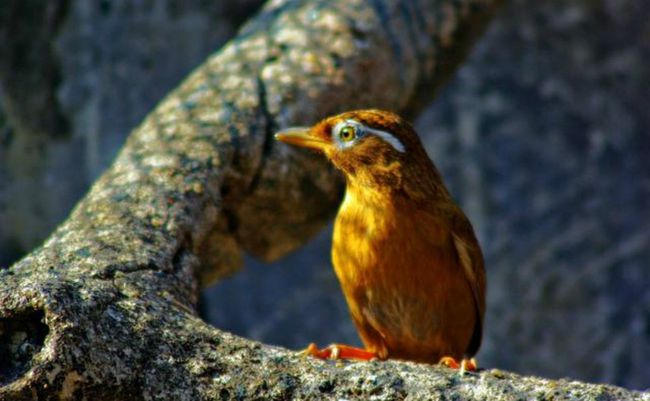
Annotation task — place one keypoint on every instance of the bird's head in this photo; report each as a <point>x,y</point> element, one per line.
<point>371,147</point>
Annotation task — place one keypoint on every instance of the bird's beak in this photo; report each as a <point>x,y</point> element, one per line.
<point>301,136</point>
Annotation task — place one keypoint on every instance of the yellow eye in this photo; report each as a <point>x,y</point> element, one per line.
<point>347,133</point>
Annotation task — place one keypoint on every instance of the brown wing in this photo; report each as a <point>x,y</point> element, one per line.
<point>470,257</point>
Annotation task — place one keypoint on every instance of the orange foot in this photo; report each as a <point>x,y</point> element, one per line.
<point>339,351</point>
<point>465,365</point>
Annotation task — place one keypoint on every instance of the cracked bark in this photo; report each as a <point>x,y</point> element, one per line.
<point>105,308</point>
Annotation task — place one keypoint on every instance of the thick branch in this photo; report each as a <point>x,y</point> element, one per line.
<point>104,309</point>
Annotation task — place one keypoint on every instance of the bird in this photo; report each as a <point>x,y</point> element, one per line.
<point>406,256</point>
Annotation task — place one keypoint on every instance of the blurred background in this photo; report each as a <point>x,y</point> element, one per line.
<point>543,136</point>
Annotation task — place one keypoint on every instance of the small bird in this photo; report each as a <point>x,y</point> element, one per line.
<point>405,254</point>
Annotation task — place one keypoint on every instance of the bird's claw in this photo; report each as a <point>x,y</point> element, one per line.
<point>465,365</point>
<point>312,349</point>
<point>338,352</point>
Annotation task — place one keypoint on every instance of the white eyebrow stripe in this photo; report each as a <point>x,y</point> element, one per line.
<point>388,137</point>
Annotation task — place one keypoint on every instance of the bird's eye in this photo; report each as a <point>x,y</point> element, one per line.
<point>347,133</point>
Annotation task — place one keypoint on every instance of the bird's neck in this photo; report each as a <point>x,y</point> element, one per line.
<point>362,194</point>
<point>398,184</point>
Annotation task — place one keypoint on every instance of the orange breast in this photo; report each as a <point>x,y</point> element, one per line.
<point>401,277</point>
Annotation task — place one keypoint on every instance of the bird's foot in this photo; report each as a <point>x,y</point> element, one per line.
<point>339,351</point>
<point>465,365</point>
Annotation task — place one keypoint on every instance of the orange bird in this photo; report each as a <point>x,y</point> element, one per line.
<point>406,256</point>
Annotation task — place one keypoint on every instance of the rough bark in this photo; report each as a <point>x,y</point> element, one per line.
<point>105,308</point>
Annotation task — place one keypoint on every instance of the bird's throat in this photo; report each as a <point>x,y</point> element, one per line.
<point>364,196</point>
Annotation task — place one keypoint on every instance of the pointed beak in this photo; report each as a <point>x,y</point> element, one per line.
<point>301,136</point>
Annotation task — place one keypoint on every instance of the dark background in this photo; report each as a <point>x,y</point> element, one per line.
<point>543,137</point>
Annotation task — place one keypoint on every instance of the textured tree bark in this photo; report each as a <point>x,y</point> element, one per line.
<point>105,308</point>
